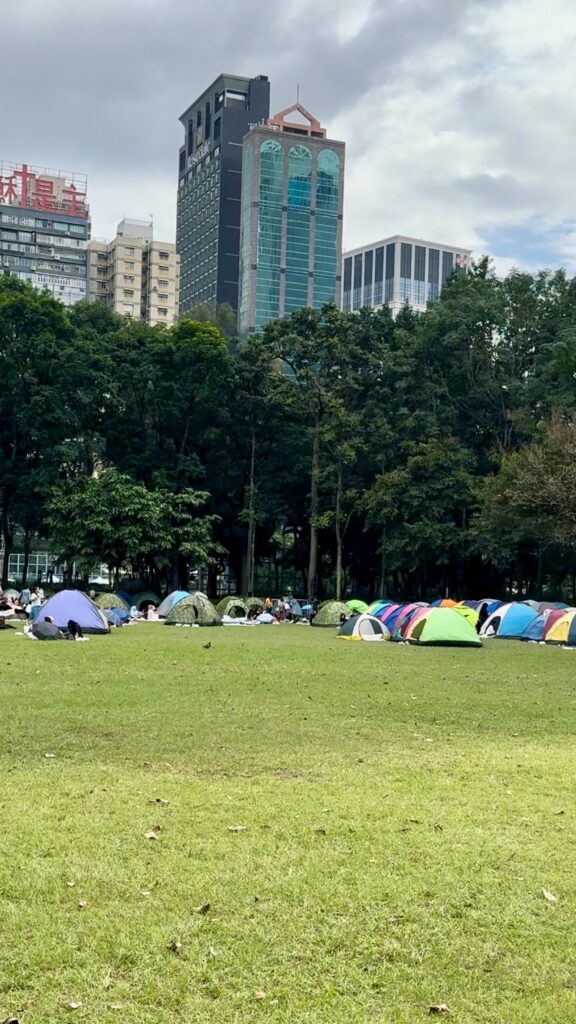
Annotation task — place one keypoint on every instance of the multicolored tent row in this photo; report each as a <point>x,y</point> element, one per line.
<point>538,629</point>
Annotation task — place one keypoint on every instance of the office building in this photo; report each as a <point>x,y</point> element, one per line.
<point>291,234</point>
<point>44,229</point>
<point>135,275</point>
<point>209,177</point>
<point>399,270</point>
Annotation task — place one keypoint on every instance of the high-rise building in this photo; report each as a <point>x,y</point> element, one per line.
<point>44,229</point>
<point>135,275</point>
<point>209,175</point>
<point>399,270</point>
<point>291,233</point>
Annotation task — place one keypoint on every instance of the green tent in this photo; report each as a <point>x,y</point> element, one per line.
<point>233,607</point>
<point>193,610</point>
<point>108,600</point>
<point>357,606</point>
<point>253,603</point>
<point>443,627</point>
<point>330,613</point>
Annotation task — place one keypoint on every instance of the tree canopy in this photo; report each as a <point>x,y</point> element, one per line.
<point>333,452</point>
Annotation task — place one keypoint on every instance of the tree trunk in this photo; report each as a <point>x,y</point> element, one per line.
<point>313,559</point>
<point>248,581</point>
<point>383,563</point>
<point>338,534</point>
<point>7,539</point>
<point>27,545</point>
<point>539,568</point>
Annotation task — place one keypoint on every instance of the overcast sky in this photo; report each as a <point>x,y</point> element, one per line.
<point>458,115</point>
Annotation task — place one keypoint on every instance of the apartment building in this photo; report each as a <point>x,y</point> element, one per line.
<point>135,274</point>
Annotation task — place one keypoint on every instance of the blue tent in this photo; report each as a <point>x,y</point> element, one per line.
<point>168,603</point>
<point>509,621</point>
<point>73,604</point>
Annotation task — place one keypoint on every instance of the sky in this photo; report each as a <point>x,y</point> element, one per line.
<point>458,115</point>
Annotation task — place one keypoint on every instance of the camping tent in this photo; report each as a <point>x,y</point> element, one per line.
<point>168,603</point>
<point>232,607</point>
<point>391,615</point>
<point>330,613</point>
<point>442,627</point>
<point>73,604</point>
<point>146,597</point>
<point>357,606</point>
<point>363,627</point>
<point>107,600</point>
<point>444,602</point>
<point>195,609</point>
<point>378,606</point>
<point>509,621</point>
<point>470,614</point>
<point>563,631</point>
<point>11,593</point>
<point>403,620</point>
<point>538,629</point>
<point>253,603</point>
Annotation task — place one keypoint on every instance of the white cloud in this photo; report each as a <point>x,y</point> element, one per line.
<point>458,114</point>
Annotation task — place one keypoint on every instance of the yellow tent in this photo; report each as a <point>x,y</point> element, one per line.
<point>562,630</point>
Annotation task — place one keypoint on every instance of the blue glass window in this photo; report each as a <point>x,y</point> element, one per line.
<point>269,232</point>
<point>326,238</point>
<point>298,201</point>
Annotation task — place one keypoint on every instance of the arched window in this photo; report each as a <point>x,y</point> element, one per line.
<point>326,241</point>
<point>269,231</point>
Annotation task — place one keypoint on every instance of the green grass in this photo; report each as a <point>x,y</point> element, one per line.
<point>402,813</point>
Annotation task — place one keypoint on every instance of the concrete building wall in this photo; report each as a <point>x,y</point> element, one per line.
<point>136,277</point>
<point>399,270</point>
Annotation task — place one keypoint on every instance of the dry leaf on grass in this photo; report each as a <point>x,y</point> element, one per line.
<point>145,892</point>
<point>150,835</point>
<point>159,800</point>
<point>548,896</point>
<point>74,1006</point>
<point>439,1008</point>
<point>175,945</point>
<point>70,884</point>
<point>237,828</point>
<point>260,994</point>
<point>212,951</point>
<point>82,905</point>
<point>49,755</point>
<point>202,909</point>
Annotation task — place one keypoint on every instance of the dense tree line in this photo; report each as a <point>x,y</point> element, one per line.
<point>428,454</point>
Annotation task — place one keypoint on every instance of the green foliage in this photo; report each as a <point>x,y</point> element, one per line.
<point>352,452</point>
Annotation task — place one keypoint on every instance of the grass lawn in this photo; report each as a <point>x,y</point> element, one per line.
<point>402,809</point>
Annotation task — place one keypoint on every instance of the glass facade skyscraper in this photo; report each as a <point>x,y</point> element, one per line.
<point>291,218</point>
<point>397,271</point>
<point>209,188</point>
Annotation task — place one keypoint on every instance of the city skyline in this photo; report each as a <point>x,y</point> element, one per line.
<point>463,135</point>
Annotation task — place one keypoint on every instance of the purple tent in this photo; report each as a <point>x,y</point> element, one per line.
<point>73,604</point>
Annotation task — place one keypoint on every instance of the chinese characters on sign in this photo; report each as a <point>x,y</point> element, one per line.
<point>24,187</point>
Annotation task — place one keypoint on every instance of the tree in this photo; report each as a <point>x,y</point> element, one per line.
<point>113,519</point>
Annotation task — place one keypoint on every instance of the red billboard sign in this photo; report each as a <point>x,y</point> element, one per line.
<point>48,191</point>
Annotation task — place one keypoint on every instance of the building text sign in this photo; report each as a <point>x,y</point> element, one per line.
<point>49,192</point>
